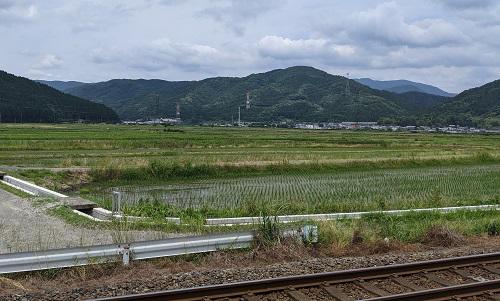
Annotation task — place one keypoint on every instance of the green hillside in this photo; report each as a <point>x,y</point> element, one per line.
<point>292,94</point>
<point>417,102</point>
<point>296,93</point>
<point>478,107</point>
<point>23,100</point>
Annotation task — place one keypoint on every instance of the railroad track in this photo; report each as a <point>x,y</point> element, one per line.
<point>474,277</point>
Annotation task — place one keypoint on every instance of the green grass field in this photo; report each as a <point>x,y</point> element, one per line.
<point>197,172</point>
<point>120,145</point>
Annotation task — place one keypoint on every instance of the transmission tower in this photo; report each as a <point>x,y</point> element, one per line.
<point>347,88</point>
<point>248,100</point>
<point>157,99</point>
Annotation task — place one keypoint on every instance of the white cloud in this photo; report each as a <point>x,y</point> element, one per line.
<point>37,73</point>
<point>49,61</point>
<point>162,54</point>
<point>16,11</point>
<point>234,14</point>
<point>285,49</point>
<point>467,4</point>
<point>387,25</point>
<point>444,42</point>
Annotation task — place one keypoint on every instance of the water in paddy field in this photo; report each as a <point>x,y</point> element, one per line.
<point>412,186</point>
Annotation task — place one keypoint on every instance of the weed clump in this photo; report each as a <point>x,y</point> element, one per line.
<point>357,237</point>
<point>268,231</point>
<point>493,228</point>
<point>442,236</point>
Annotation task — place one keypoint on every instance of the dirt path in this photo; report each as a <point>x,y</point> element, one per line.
<point>53,169</point>
<point>24,227</point>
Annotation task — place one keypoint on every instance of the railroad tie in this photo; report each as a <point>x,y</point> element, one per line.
<point>404,282</point>
<point>437,279</point>
<point>337,293</point>
<point>251,297</point>
<point>296,295</point>
<point>372,289</point>
<point>491,269</point>
<point>465,275</point>
<point>493,296</point>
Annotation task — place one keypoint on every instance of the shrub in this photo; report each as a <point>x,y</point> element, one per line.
<point>493,228</point>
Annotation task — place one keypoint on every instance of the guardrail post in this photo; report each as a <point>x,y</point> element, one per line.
<point>126,255</point>
<point>116,204</point>
<point>309,233</point>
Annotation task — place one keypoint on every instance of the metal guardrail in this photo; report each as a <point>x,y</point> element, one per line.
<point>61,258</point>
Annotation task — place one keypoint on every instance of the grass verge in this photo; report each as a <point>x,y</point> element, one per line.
<point>416,227</point>
<point>12,190</point>
<point>164,170</point>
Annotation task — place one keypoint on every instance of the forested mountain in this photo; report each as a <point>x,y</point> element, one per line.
<point>296,93</point>
<point>478,106</point>
<point>292,94</point>
<point>23,100</point>
<point>402,86</point>
<point>62,86</point>
<point>416,102</point>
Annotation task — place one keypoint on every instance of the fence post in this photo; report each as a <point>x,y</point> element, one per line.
<point>310,233</point>
<point>126,255</point>
<point>116,205</point>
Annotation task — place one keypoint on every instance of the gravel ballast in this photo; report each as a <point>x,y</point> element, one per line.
<point>155,276</point>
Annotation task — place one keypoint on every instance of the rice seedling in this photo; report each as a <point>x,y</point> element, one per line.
<point>302,193</point>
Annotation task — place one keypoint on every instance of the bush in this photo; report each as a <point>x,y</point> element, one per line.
<point>493,228</point>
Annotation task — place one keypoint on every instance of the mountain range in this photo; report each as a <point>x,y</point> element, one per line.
<point>292,94</point>
<point>23,100</point>
<point>403,86</point>
<point>285,95</point>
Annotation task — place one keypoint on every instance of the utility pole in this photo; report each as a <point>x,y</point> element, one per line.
<point>239,115</point>
<point>157,97</point>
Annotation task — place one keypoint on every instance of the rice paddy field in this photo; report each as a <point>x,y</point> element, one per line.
<point>315,193</point>
<point>96,146</point>
<point>198,172</point>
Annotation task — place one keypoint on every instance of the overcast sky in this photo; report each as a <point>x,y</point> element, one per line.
<point>454,44</point>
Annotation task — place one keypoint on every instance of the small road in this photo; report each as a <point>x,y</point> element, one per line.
<point>25,227</point>
<point>54,169</point>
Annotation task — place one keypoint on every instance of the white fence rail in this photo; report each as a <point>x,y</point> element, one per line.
<point>31,188</point>
<point>335,216</point>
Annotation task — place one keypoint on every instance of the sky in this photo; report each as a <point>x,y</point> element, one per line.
<point>453,44</point>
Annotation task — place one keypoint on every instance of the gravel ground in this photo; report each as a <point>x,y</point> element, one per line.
<point>24,227</point>
<point>150,277</point>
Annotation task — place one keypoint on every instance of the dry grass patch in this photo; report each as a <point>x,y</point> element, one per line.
<point>442,236</point>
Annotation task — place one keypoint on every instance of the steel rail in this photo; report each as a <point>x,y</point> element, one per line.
<point>310,280</point>
<point>446,293</point>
